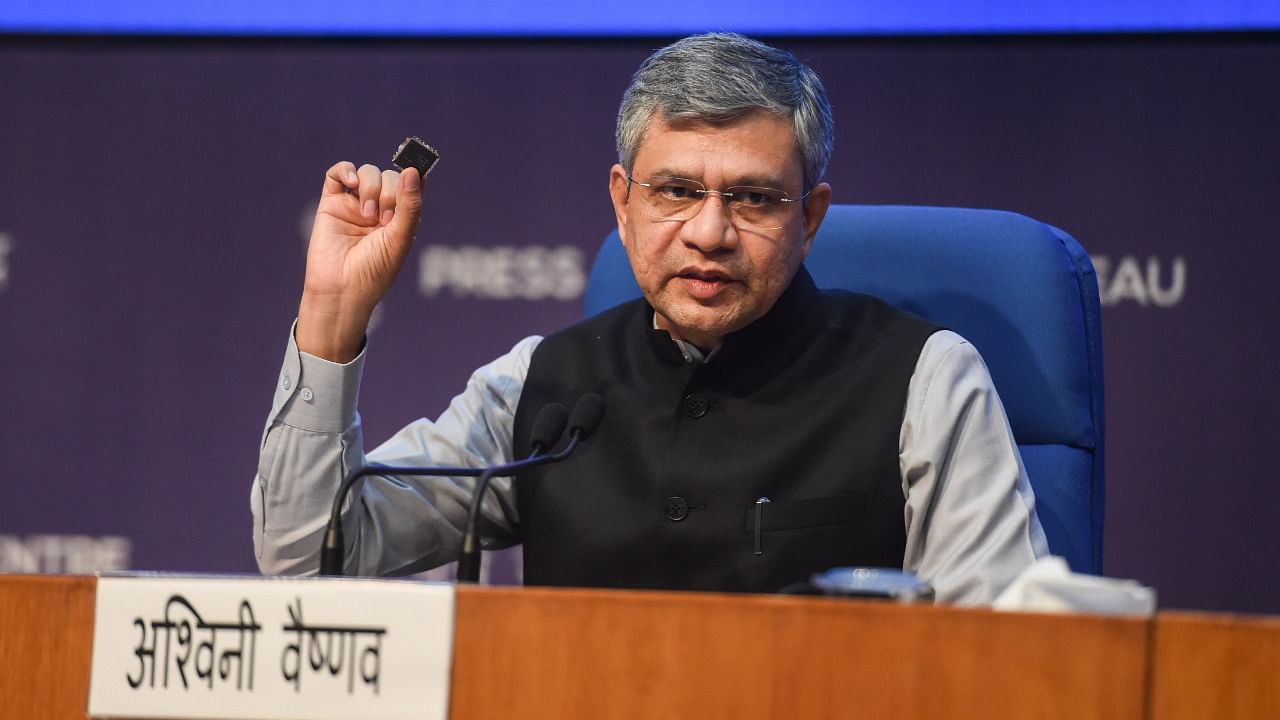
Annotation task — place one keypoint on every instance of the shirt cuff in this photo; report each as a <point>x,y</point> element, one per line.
<point>315,394</point>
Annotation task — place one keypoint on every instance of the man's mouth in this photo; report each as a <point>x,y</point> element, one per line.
<point>704,284</point>
<point>704,275</point>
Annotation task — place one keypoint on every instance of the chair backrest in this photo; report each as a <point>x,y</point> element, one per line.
<point>1023,292</point>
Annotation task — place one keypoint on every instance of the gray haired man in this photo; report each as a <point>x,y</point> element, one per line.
<point>757,429</point>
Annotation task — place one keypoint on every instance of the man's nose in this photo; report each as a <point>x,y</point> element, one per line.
<point>711,229</point>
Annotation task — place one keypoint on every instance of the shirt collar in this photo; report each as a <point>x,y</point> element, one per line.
<point>690,352</point>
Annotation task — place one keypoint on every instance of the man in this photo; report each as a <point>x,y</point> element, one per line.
<point>757,430</point>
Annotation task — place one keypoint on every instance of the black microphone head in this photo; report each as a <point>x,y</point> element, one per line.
<point>586,414</point>
<point>548,426</point>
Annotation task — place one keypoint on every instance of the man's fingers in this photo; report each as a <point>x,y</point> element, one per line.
<point>387,199</point>
<point>376,193</point>
<point>340,178</point>
<point>369,191</point>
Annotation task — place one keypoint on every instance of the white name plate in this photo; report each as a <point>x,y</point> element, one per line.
<point>271,648</point>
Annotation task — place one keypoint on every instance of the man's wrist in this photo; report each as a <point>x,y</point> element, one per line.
<point>333,335</point>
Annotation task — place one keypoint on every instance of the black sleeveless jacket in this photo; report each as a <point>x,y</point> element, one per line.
<point>803,407</point>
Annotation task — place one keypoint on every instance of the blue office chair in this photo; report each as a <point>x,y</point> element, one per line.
<point>1024,293</point>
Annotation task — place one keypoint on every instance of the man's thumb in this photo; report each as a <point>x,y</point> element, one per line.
<point>408,204</point>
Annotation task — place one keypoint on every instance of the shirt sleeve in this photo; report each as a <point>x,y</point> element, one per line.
<point>970,511</point>
<point>392,525</point>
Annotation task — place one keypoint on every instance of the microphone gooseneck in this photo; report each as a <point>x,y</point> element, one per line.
<point>547,428</point>
<point>584,418</point>
<point>333,549</point>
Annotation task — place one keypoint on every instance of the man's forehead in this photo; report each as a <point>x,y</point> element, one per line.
<point>758,145</point>
<point>660,120</point>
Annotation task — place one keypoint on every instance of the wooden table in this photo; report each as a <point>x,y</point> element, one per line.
<point>563,653</point>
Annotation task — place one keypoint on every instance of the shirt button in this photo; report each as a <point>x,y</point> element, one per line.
<point>307,395</point>
<point>695,405</point>
<point>677,508</point>
<point>286,384</point>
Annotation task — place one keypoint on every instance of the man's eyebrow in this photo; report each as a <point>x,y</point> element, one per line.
<point>765,181</point>
<point>668,172</point>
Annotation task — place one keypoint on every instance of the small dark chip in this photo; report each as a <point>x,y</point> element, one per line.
<point>417,154</point>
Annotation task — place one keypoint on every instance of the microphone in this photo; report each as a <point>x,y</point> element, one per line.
<point>547,427</point>
<point>583,420</point>
<point>585,416</point>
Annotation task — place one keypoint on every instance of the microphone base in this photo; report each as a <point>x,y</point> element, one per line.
<point>331,552</point>
<point>469,567</point>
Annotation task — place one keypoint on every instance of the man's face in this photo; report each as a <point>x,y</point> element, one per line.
<point>704,276</point>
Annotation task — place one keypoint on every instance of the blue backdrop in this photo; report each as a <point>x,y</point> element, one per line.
<point>589,17</point>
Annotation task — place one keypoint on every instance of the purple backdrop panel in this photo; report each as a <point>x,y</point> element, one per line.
<point>158,194</point>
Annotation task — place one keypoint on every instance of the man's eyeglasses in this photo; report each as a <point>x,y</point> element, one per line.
<point>678,199</point>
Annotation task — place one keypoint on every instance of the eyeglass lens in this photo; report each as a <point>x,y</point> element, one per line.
<point>679,199</point>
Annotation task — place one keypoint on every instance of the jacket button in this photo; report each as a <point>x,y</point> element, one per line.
<point>677,508</point>
<point>695,405</point>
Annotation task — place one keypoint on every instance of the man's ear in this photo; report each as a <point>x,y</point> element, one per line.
<point>618,188</point>
<point>815,210</point>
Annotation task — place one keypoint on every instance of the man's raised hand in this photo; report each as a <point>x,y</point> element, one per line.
<point>363,230</point>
